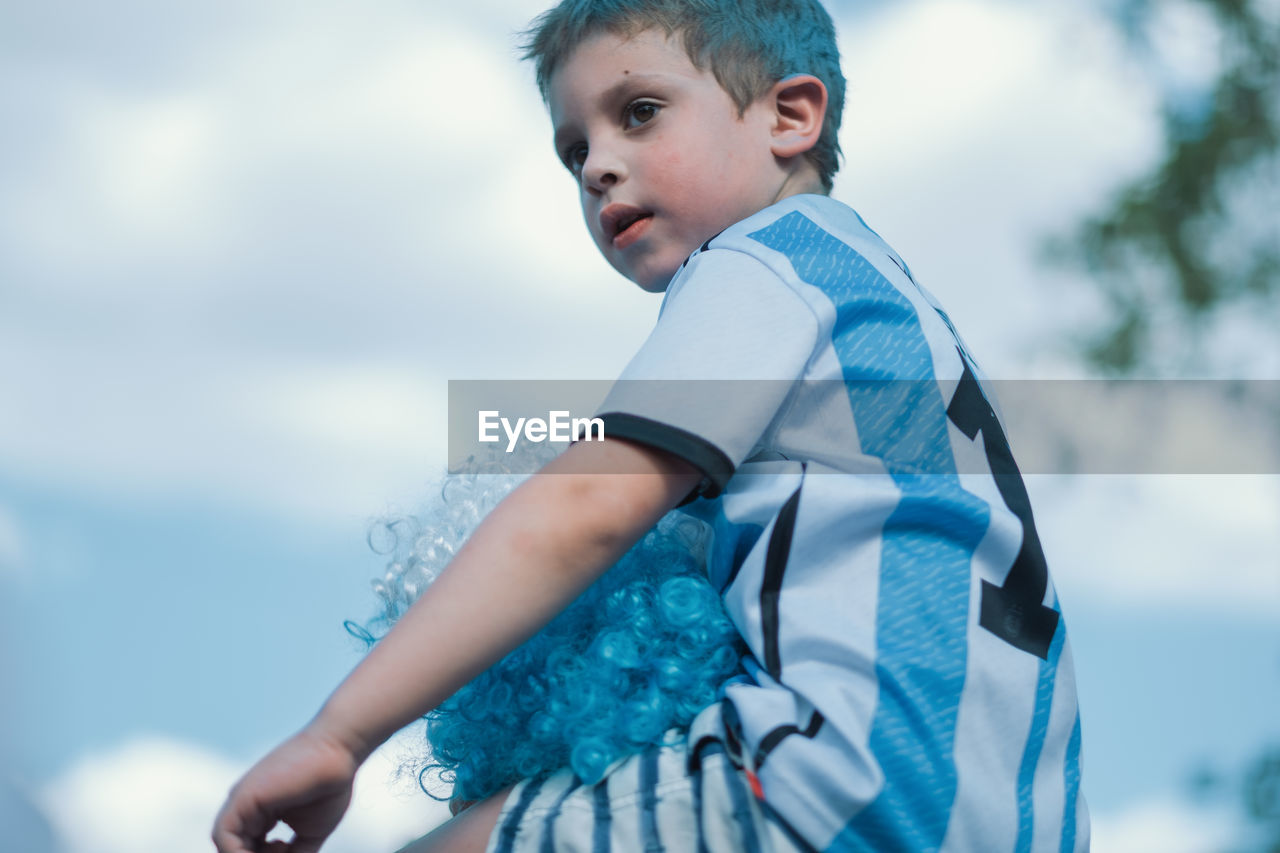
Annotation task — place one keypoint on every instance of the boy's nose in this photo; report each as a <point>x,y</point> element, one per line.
<point>602,171</point>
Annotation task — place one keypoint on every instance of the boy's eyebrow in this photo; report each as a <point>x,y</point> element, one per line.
<point>612,94</point>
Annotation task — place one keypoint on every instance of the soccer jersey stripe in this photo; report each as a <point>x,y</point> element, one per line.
<point>775,565</point>
<point>1071,774</point>
<point>1035,743</point>
<point>696,792</point>
<point>773,738</point>
<point>649,801</point>
<point>741,799</point>
<point>548,825</point>
<point>507,835</point>
<point>603,818</point>
<point>923,608</point>
<point>921,625</point>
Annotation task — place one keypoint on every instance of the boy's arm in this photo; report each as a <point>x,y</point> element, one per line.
<point>533,554</point>
<point>541,547</point>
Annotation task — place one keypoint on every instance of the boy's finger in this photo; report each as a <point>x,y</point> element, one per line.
<point>224,841</point>
<point>233,834</point>
<point>227,842</point>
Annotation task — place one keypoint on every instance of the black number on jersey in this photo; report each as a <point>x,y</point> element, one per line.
<point>1015,611</point>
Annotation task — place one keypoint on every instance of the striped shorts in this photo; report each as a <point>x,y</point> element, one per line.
<point>649,802</point>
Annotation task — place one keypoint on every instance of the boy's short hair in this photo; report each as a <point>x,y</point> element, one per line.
<point>748,44</point>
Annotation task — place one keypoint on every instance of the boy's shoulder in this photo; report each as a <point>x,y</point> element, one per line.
<point>806,226</point>
<point>792,214</point>
<point>819,251</point>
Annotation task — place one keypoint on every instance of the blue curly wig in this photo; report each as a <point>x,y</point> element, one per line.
<point>635,657</point>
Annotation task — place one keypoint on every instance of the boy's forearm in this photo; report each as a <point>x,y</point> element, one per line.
<point>536,552</point>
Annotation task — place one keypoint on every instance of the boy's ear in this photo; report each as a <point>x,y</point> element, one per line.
<point>800,107</point>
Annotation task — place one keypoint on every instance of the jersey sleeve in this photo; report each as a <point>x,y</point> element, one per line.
<point>731,342</point>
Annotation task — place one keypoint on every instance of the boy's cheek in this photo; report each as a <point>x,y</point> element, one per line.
<point>670,165</point>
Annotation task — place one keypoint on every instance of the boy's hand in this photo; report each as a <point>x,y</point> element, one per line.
<point>305,782</point>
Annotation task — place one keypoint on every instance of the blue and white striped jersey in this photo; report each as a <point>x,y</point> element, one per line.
<point>911,686</point>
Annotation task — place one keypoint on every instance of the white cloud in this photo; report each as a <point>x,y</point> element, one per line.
<point>1038,101</point>
<point>158,795</point>
<point>402,138</point>
<point>1167,825</point>
<point>1188,43</point>
<point>346,406</point>
<point>254,283</point>
<point>1202,542</point>
<point>310,439</point>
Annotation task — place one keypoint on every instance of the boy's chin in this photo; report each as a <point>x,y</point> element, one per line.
<point>654,286</point>
<point>650,281</point>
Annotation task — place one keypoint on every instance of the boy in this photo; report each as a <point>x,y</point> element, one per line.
<point>910,687</point>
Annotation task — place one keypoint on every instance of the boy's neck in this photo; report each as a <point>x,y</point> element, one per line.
<point>803,180</point>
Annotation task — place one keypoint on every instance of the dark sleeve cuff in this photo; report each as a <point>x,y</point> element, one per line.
<point>715,466</point>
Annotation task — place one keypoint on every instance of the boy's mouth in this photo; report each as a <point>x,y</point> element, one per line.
<point>624,224</point>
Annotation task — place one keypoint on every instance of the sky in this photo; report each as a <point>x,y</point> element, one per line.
<point>245,246</point>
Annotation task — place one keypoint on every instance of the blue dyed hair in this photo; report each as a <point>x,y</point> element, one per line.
<point>749,45</point>
<point>627,665</point>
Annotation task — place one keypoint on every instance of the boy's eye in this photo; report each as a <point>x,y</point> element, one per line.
<point>574,157</point>
<point>639,112</point>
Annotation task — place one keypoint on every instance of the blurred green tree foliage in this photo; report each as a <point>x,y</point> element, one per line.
<point>1262,798</point>
<point>1195,236</point>
<point>1255,789</point>
<point>1198,234</point>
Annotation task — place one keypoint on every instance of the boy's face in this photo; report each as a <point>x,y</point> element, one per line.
<point>662,159</point>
